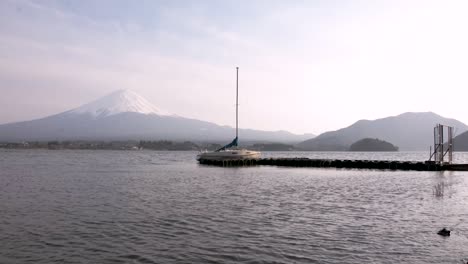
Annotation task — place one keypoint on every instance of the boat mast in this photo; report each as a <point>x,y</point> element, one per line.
<point>237,100</point>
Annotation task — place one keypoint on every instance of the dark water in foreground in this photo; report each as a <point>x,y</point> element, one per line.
<point>162,207</point>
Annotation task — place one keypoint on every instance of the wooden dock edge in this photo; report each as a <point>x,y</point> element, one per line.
<point>332,163</point>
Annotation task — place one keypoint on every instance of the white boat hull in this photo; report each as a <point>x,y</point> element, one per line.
<point>238,154</point>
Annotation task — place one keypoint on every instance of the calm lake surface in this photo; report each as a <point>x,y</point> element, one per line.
<point>162,207</point>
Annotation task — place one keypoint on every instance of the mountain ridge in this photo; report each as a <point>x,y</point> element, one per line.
<point>409,131</point>
<point>124,115</point>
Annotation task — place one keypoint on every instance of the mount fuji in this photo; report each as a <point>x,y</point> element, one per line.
<point>121,101</point>
<point>125,115</point>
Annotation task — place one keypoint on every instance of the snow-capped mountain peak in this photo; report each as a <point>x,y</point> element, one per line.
<point>120,101</point>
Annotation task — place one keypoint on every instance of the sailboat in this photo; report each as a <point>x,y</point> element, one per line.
<point>231,151</point>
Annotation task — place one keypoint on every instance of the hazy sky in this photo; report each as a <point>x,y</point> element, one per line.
<point>305,66</point>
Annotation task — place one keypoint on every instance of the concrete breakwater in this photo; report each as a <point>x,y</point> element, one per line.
<point>334,163</point>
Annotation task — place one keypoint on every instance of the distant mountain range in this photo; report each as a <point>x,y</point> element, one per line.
<point>125,115</point>
<point>408,131</point>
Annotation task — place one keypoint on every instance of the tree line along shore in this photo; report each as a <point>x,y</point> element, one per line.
<point>361,145</point>
<point>137,145</point>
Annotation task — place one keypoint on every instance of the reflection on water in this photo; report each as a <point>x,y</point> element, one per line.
<point>162,207</point>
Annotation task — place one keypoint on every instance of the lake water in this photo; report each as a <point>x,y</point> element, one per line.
<point>162,207</point>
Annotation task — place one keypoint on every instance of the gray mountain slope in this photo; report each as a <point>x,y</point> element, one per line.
<point>130,125</point>
<point>460,142</point>
<point>409,131</point>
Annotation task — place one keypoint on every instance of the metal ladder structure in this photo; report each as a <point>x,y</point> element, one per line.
<point>441,149</point>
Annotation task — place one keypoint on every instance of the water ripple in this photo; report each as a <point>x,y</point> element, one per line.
<point>161,207</point>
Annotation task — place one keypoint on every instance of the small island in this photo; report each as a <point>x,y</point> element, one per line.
<point>372,144</point>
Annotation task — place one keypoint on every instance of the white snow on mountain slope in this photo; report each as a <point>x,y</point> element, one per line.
<point>120,101</point>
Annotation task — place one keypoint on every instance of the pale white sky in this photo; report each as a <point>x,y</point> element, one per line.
<point>305,66</point>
